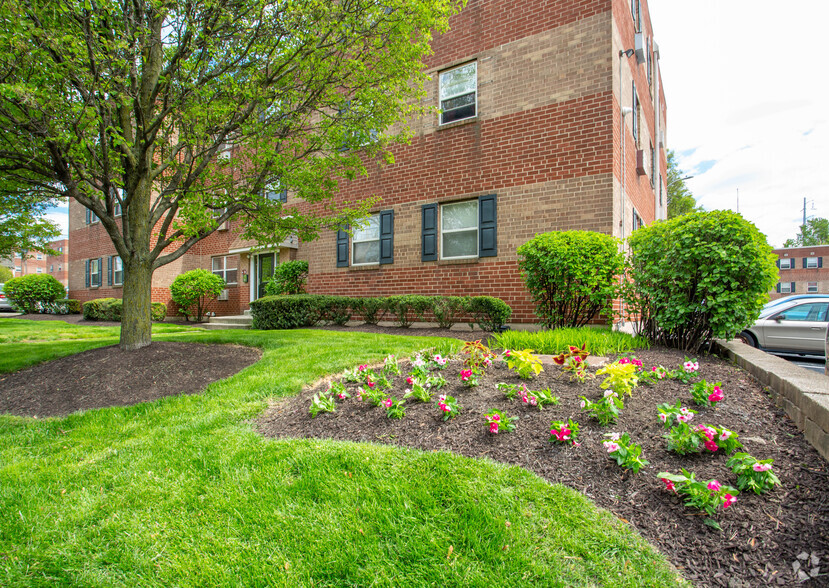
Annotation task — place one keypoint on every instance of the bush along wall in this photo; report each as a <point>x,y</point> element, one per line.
<point>306,310</point>
<point>109,309</point>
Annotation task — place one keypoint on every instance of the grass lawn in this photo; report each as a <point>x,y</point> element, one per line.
<point>183,492</point>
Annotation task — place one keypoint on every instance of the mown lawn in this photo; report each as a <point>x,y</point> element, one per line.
<point>183,492</point>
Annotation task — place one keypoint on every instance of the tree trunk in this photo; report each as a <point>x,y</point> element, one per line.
<point>136,322</point>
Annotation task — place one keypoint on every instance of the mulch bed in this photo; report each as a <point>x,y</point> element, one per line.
<point>781,538</point>
<point>110,377</point>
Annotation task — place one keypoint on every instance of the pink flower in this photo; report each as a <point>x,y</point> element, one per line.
<point>608,393</point>
<point>507,353</point>
<point>663,417</point>
<point>636,362</point>
<point>684,410</point>
<point>684,418</point>
<point>707,431</point>
<point>728,501</point>
<point>370,384</point>
<point>624,361</point>
<point>495,417</point>
<point>533,401</point>
<point>341,395</point>
<point>611,446</point>
<point>409,380</point>
<point>466,374</point>
<point>714,486</point>
<point>690,367</point>
<point>716,395</point>
<point>525,399</point>
<point>669,485</point>
<point>487,362</point>
<point>582,404</point>
<point>654,369</point>
<point>443,407</point>
<point>711,445</point>
<point>362,368</point>
<point>493,427</point>
<point>387,403</point>
<point>725,434</point>
<point>761,467</point>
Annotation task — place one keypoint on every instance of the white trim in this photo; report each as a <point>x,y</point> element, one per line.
<point>251,275</point>
<point>477,230</point>
<point>441,98</point>
<point>354,241</point>
<point>809,261</point>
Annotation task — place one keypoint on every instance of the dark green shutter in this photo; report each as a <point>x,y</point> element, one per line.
<point>386,236</point>
<point>342,248</point>
<point>804,263</point>
<point>793,287</point>
<point>820,262</point>
<point>429,232</point>
<point>86,273</point>
<point>109,271</point>
<point>778,264</point>
<point>487,226</point>
<point>100,271</point>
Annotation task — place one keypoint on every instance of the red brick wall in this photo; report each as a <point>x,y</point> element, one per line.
<point>803,276</point>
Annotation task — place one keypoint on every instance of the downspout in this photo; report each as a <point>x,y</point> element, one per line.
<point>657,120</point>
<point>622,113</point>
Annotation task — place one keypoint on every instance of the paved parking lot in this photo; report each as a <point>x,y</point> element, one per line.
<point>815,364</point>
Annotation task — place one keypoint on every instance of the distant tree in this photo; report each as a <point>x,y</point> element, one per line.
<point>5,274</point>
<point>166,119</point>
<point>680,199</point>
<point>814,232</point>
<point>22,223</point>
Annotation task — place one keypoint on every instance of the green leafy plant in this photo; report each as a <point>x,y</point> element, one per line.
<point>672,414</point>
<point>606,410</point>
<point>626,454</point>
<point>599,340</point>
<point>717,438</point>
<point>390,366</point>
<point>491,314</point>
<point>449,406</point>
<point>322,403</point>
<point>500,422</point>
<point>621,377</point>
<point>478,356</point>
<point>654,375</point>
<point>539,398</point>
<point>698,277</point>
<point>288,278</point>
<point>408,308</point>
<point>394,408</point>
<point>447,310</point>
<point>469,377</point>
<point>372,309</point>
<point>373,396</point>
<point>512,391</point>
<point>686,372</point>
<point>683,439</point>
<point>705,496</point>
<point>31,293</point>
<point>753,474</point>
<point>524,363</point>
<point>418,391</point>
<point>705,394</point>
<point>338,390</point>
<point>354,376</point>
<point>571,275</point>
<point>564,432</point>
<point>193,290</point>
<point>435,382</point>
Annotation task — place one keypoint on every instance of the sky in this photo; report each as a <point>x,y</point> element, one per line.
<point>748,106</point>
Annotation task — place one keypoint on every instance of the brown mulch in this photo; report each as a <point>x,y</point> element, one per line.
<point>775,539</point>
<point>108,376</point>
<point>77,319</point>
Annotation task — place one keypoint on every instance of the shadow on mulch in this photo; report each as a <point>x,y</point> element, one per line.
<point>107,376</point>
<point>765,540</point>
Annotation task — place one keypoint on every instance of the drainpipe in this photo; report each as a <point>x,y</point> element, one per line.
<point>623,112</point>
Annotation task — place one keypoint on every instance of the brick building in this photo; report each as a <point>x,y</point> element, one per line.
<point>552,118</point>
<point>37,262</point>
<point>801,271</point>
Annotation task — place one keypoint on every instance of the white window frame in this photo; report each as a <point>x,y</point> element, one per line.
<point>810,261</point>
<point>223,272</point>
<point>94,275</point>
<point>39,270</point>
<point>40,256</point>
<point>442,99</point>
<point>789,263</point>
<point>355,241</point>
<point>116,259</point>
<point>786,287</point>
<point>464,230</point>
<point>811,287</point>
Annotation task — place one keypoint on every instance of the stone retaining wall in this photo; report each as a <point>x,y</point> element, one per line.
<point>803,394</point>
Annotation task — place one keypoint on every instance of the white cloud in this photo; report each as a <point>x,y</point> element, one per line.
<point>742,91</point>
<point>60,216</point>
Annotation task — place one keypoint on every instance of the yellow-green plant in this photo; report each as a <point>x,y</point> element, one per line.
<point>524,363</point>
<point>621,378</point>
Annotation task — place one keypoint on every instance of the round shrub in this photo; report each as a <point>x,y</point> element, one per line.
<point>192,290</point>
<point>697,277</point>
<point>571,275</point>
<point>109,309</point>
<point>288,278</point>
<point>33,293</point>
<point>490,313</point>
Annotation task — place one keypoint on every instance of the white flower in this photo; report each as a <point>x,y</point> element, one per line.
<point>614,436</point>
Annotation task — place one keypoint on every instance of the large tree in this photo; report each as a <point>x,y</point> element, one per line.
<point>168,117</point>
<point>680,199</point>
<point>814,232</point>
<point>23,226</point>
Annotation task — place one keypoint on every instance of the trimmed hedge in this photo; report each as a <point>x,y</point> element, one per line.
<point>109,309</point>
<point>65,306</point>
<point>31,293</point>
<point>306,310</point>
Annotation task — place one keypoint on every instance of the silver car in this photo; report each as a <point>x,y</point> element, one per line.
<point>796,326</point>
<point>5,305</point>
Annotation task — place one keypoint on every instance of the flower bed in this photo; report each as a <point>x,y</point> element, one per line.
<point>761,538</point>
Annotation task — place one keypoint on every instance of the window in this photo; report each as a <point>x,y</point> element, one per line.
<point>648,65</point>
<point>274,191</point>
<point>459,93</point>
<point>653,163</point>
<point>40,270</point>
<point>91,217</point>
<point>811,312</point>
<point>459,230</point>
<point>60,249</point>
<point>811,287</point>
<point>637,221</point>
<point>93,273</point>
<point>786,263</point>
<point>40,256</point>
<point>785,287</point>
<point>809,262</point>
<point>634,125</point>
<point>17,269</point>
<point>116,271</point>
<point>226,268</point>
<point>51,268</point>
<point>371,244</point>
<point>365,242</point>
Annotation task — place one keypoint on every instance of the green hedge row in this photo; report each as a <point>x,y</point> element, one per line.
<point>109,309</point>
<point>306,310</point>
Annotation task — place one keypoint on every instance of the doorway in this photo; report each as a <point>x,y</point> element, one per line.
<point>264,272</point>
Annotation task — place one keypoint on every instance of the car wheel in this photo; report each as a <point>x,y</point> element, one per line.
<point>747,338</point>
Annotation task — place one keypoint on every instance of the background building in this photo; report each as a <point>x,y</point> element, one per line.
<point>552,118</point>
<point>37,262</point>
<point>801,271</point>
